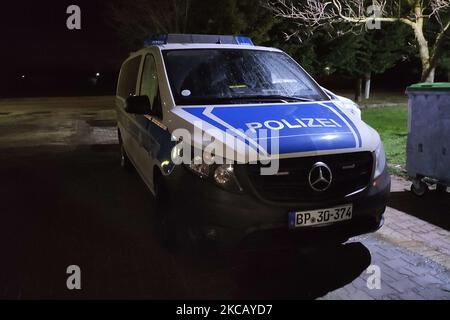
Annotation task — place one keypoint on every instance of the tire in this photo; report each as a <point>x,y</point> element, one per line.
<point>174,234</point>
<point>419,188</point>
<point>163,212</point>
<point>125,162</point>
<point>441,188</point>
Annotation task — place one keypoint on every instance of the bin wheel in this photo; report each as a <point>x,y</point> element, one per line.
<point>441,188</point>
<point>419,188</point>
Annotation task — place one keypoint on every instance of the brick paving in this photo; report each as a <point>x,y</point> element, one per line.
<point>413,256</point>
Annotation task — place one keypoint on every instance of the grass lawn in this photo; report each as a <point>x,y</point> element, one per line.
<point>379,98</point>
<point>391,124</point>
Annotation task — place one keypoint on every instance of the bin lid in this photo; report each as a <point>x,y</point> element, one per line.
<point>430,86</point>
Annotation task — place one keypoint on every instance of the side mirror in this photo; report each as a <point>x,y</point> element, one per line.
<point>138,105</point>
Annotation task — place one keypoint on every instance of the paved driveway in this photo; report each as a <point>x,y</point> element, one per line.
<point>64,201</point>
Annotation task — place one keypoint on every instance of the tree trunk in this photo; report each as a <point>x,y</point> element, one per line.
<point>430,76</point>
<point>358,90</point>
<point>424,51</point>
<point>367,77</point>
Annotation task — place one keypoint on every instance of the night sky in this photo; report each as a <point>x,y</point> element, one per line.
<point>55,60</point>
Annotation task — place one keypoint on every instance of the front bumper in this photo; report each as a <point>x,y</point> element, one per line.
<point>231,218</point>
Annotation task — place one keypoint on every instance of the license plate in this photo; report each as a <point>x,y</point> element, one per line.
<point>320,216</point>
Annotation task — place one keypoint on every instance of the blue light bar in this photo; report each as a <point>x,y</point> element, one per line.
<point>156,40</point>
<point>161,39</point>
<point>244,40</point>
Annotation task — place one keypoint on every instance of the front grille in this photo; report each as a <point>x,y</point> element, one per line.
<point>351,172</point>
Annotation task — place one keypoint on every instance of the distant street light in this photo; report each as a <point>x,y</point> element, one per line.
<point>22,76</point>
<point>97,74</point>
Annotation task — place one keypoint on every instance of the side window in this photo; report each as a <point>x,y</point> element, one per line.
<point>128,78</point>
<point>149,84</point>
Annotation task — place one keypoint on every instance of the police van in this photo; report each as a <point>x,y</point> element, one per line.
<point>261,110</point>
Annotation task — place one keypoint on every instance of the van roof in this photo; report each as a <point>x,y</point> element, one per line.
<point>174,46</point>
<point>167,38</point>
<point>182,46</point>
<point>174,41</point>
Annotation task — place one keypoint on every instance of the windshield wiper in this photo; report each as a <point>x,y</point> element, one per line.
<point>274,97</point>
<point>237,99</point>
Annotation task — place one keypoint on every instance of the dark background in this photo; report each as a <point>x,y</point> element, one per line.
<point>57,61</point>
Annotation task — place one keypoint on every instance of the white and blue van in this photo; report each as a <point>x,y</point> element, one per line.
<point>181,93</point>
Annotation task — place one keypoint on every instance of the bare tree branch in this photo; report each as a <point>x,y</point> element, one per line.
<point>315,14</point>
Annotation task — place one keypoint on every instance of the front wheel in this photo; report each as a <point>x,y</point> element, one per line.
<point>125,162</point>
<point>441,188</point>
<point>174,233</point>
<point>164,228</point>
<point>419,188</point>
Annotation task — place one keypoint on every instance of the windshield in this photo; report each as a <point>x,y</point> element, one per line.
<point>237,76</point>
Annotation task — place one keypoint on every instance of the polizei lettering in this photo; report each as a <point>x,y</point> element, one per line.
<point>293,124</point>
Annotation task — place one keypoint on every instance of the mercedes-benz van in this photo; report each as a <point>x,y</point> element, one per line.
<point>182,92</point>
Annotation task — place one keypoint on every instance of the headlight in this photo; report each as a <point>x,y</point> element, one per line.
<point>380,160</point>
<point>221,174</point>
<point>224,177</point>
<point>201,168</point>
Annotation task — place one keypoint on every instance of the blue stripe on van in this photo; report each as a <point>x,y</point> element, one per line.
<point>300,127</point>
<point>348,120</point>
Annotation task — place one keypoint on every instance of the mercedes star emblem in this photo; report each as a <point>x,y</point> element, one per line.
<point>320,177</point>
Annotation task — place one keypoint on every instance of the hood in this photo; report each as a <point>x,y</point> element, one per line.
<point>286,129</point>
